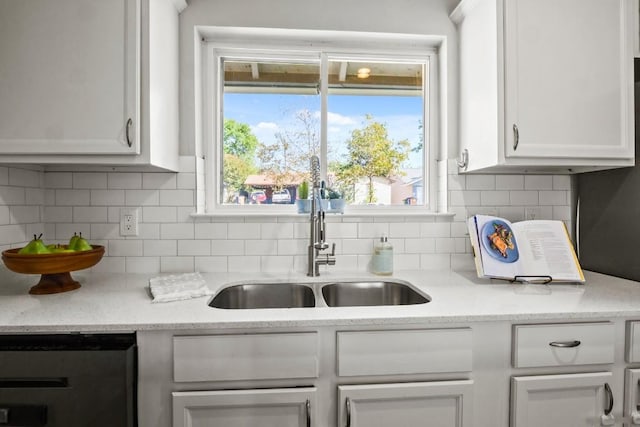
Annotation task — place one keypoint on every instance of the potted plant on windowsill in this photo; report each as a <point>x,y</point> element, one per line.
<point>336,202</point>
<point>303,203</point>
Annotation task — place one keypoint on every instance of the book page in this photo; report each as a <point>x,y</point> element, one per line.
<point>498,247</point>
<point>547,250</point>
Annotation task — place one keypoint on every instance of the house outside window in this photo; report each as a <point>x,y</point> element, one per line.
<point>364,104</point>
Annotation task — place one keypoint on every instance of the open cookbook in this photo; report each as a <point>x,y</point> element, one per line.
<point>527,251</point>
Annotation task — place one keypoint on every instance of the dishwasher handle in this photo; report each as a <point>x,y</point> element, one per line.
<point>23,415</point>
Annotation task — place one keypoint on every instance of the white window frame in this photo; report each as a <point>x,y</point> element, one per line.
<point>303,45</point>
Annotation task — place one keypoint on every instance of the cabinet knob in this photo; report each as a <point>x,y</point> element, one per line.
<point>348,404</point>
<point>516,137</point>
<point>565,344</point>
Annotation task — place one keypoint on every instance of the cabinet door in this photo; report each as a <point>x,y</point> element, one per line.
<point>568,78</point>
<point>632,396</point>
<point>245,408</point>
<point>433,404</point>
<point>575,400</point>
<point>69,76</point>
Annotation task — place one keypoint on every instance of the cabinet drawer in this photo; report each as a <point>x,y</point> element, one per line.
<point>245,357</point>
<point>404,352</point>
<point>562,344</point>
<point>633,342</point>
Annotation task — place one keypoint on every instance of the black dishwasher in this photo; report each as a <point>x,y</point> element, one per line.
<point>68,380</point>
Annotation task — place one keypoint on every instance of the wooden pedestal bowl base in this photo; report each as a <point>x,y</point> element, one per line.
<point>54,269</point>
<point>54,283</point>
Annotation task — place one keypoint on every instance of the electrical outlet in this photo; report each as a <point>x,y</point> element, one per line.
<point>129,222</point>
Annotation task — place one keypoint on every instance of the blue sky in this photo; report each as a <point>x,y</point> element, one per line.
<point>266,114</point>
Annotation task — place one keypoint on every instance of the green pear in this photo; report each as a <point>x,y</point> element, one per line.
<point>58,248</point>
<point>82,244</point>
<point>35,246</point>
<point>73,240</point>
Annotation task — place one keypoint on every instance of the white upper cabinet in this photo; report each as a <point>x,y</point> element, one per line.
<point>546,85</point>
<point>82,81</point>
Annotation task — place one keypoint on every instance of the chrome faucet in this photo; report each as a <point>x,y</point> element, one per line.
<point>318,227</point>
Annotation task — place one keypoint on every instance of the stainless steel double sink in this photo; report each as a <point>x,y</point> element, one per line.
<point>347,293</point>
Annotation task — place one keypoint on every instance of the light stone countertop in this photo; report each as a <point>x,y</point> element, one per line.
<point>121,302</point>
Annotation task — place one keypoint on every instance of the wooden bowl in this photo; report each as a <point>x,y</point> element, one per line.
<point>54,268</point>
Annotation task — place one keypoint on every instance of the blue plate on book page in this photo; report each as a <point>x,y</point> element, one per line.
<point>499,241</point>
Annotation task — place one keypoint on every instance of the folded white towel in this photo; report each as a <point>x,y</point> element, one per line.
<point>177,287</point>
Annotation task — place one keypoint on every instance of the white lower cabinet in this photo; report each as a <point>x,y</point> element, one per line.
<point>577,400</point>
<point>437,404</point>
<point>284,407</point>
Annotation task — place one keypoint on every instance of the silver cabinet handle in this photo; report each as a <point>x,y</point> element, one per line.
<point>348,403</point>
<point>565,344</point>
<point>516,137</point>
<point>127,127</point>
<point>464,159</point>
<point>308,413</point>
<point>609,393</point>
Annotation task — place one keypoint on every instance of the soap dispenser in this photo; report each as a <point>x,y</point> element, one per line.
<point>382,262</point>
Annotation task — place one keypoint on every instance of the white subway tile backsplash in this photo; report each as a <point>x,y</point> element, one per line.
<point>125,248</point>
<point>554,197</point>
<point>436,229</point>
<point>58,180</point>
<point>211,264</point>
<point>159,181</point>
<point>145,264</point>
<point>227,247</point>
<point>435,261</point>
<point>105,231</point>
<point>124,181</point>
<point>237,264</point>
<point>275,231</point>
<point>107,197</point>
<point>261,247</point>
<point>509,182</point>
<point>160,248</point>
<point>148,231</point>
<point>141,197</point>
<point>12,196</point>
<point>372,230</point>
<point>34,196</point>
<point>5,218</point>
<point>171,240</point>
<point>176,264</point>
<point>481,182</point>
<point>110,264</point>
<point>524,198</point>
<point>193,247</point>
<point>210,230</point>
<point>89,214</point>
<point>90,180</point>
<point>25,178</point>
<point>493,198</point>
<point>24,214</point>
<point>538,182</point>
<point>70,197</point>
<point>243,230</point>
<point>420,246</point>
<point>276,264</point>
<point>159,214</point>
<point>562,182</point>
<point>177,231</point>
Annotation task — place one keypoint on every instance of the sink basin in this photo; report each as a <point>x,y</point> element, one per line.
<point>371,293</point>
<point>264,295</point>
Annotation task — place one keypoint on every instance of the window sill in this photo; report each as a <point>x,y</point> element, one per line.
<point>395,213</point>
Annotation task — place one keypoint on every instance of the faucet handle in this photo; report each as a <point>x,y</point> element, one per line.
<point>333,250</point>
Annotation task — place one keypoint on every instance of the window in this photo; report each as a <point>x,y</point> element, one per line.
<point>364,104</point>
